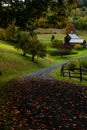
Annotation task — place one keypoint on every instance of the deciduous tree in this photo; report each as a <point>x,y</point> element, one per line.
<point>29,44</point>
<point>26,11</point>
<point>36,49</point>
<point>22,41</point>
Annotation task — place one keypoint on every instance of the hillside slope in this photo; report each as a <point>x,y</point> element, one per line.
<point>13,64</point>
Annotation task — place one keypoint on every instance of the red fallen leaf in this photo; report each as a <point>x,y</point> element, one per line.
<point>20,124</point>
<point>65,119</point>
<point>63,115</point>
<point>15,112</point>
<point>60,126</point>
<point>28,112</point>
<point>82,115</point>
<point>50,117</point>
<point>70,119</point>
<point>74,125</point>
<point>67,126</point>
<point>46,107</point>
<point>34,105</point>
<point>23,121</point>
<point>33,121</point>
<point>39,98</point>
<point>73,105</point>
<point>12,128</point>
<point>44,126</point>
<point>74,117</point>
<point>76,113</point>
<point>14,119</point>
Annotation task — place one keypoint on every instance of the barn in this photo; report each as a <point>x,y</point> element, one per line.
<point>72,39</point>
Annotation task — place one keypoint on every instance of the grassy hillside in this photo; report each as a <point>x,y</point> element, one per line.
<point>13,64</point>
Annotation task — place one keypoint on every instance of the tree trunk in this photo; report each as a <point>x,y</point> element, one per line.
<point>24,53</point>
<point>33,56</point>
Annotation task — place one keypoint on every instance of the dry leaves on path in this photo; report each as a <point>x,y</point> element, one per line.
<point>43,104</point>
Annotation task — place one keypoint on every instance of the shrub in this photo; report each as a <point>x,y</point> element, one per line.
<point>56,42</point>
<point>2,34</point>
<point>53,52</point>
<point>73,64</point>
<point>78,47</point>
<point>42,22</point>
<point>10,32</point>
<point>64,50</point>
<point>84,63</point>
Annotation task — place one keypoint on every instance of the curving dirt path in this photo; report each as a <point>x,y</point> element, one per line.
<point>45,73</point>
<point>38,102</point>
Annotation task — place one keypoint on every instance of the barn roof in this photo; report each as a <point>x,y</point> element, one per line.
<point>73,36</point>
<point>76,40</point>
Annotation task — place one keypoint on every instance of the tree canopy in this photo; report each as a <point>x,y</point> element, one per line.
<point>27,12</point>
<point>29,44</point>
<point>82,3</point>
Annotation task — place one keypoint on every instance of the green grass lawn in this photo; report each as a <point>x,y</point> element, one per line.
<point>13,64</point>
<point>46,38</point>
<point>57,74</point>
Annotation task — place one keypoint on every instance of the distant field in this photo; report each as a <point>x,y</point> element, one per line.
<point>45,38</point>
<point>44,35</point>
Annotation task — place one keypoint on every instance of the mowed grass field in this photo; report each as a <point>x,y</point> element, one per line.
<point>13,64</point>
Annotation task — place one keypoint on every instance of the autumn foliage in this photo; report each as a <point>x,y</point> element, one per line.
<point>40,103</point>
<point>70,28</point>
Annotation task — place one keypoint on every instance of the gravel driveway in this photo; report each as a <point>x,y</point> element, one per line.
<point>44,72</point>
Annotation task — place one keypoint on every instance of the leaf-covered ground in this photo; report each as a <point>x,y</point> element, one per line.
<point>43,104</point>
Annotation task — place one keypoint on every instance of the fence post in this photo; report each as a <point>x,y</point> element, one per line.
<point>62,70</point>
<point>69,74</point>
<point>80,74</point>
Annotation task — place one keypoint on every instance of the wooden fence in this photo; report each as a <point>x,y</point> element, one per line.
<point>79,73</point>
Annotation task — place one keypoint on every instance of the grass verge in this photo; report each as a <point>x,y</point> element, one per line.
<point>57,74</point>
